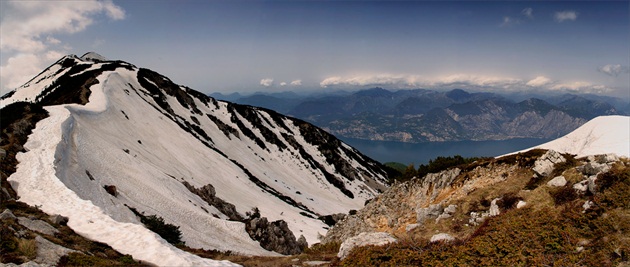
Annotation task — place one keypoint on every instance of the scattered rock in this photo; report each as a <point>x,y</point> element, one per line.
<point>494,208</point>
<point>49,253</point>
<point>431,212</point>
<point>587,205</point>
<point>521,204</point>
<point>478,217</point>
<point>7,215</point>
<point>448,212</point>
<point>581,187</point>
<point>558,181</point>
<point>544,165</point>
<point>364,239</point>
<point>592,187</point>
<point>442,237</point>
<point>3,153</point>
<point>58,219</point>
<point>37,226</point>
<point>593,168</point>
<point>315,263</point>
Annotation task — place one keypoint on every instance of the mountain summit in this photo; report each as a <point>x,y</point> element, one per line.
<point>123,143</point>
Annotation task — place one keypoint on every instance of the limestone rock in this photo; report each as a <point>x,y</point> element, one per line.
<point>430,212</point>
<point>494,208</point>
<point>37,226</point>
<point>442,237</point>
<point>581,187</point>
<point>478,217</point>
<point>364,239</point>
<point>544,165</point>
<point>49,253</point>
<point>593,168</point>
<point>7,215</point>
<point>521,204</point>
<point>448,212</point>
<point>558,181</point>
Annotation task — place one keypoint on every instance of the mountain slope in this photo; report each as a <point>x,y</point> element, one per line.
<point>170,151</point>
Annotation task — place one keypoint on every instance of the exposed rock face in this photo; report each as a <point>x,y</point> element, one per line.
<point>37,226</point>
<point>49,253</point>
<point>544,165</point>
<point>408,205</point>
<point>431,212</point>
<point>274,236</point>
<point>209,194</point>
<point>7,215</point>
<point>364,239</point>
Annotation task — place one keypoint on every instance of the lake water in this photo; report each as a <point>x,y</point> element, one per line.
<point>421,153</point>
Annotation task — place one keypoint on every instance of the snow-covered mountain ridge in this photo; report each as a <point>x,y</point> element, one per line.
<point>155,141</point>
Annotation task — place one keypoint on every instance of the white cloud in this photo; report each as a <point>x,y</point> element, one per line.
<point>266,82</point>
<point>465,81</point>
<point>538,81</point>
<point>52,40</point>
<point>613,70</point>
<point>283,84</point>
<point>28,29</point>
<point>528,12</point>
<point>566,15</point>
<point>296,82</point>
<point>507,21</point>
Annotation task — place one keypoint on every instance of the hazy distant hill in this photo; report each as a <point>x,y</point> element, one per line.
<point>422,115</point>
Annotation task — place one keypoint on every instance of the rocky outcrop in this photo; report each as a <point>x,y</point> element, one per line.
<point>275,236</point>
<point>209,194</point>
<point>408,205</point>
<point>364,239</point>
<point>545,164</point>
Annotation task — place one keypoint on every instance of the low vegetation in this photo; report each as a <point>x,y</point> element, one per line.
<point>554,229</point>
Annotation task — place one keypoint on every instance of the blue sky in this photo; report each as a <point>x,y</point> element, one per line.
<point>246,46</point>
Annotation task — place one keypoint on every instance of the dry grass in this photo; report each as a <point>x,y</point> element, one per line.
<point>27,247</point>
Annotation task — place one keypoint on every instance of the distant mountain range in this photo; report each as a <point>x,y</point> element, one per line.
<point>422,115</point>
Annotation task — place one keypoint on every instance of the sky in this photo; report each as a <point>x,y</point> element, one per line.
<point>248,46</point>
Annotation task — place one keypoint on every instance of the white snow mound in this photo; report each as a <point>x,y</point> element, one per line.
<point>601,135</point>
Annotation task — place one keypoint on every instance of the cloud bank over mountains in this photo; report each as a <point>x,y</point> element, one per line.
<point>462,81</point>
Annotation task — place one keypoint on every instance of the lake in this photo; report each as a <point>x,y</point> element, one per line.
<point>421,153</point>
